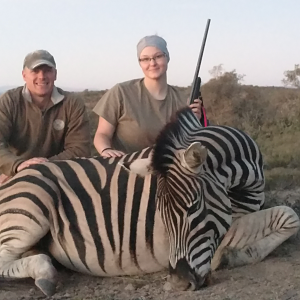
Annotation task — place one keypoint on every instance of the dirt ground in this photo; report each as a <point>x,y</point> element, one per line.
<point>276,278</point>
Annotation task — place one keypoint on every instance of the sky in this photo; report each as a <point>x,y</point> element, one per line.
<point>94,41</point>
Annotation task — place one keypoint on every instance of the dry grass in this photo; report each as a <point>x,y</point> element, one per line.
<point>282,178</point>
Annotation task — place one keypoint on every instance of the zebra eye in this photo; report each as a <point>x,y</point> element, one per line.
<point>193,208</point>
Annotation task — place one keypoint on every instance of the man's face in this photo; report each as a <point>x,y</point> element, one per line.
<point>40,80</point>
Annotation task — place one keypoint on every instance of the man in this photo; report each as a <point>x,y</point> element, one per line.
<point>40,122</point>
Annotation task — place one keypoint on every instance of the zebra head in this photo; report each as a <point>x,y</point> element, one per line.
<point>178,159</point>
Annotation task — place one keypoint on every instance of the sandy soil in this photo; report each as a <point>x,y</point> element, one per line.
<point>276,278</point>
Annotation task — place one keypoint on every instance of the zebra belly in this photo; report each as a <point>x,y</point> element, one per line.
<point>101,259</point>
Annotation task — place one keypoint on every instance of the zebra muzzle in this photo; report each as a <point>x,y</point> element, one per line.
<point>183,278</point>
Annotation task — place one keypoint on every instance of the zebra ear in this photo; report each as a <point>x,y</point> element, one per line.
<point>194,156</point>
<point>140,166</point>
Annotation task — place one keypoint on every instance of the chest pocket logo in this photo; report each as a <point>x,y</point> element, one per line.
<point>58,124</point>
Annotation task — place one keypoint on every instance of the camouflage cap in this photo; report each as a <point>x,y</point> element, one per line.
<point>38,58</point>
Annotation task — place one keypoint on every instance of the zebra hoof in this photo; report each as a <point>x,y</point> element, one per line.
<point>46,286</point>
<point>231,258</point>
<point>224,262</point>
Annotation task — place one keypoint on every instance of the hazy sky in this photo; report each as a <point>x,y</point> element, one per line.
<point>94,41</point>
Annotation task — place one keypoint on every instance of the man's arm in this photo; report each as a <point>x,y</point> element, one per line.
<point>8,161</point>
<point>77,140</point>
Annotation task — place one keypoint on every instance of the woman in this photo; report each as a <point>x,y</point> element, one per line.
<point>132,113</point>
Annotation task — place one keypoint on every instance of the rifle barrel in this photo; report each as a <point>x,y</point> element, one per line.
<point>199,60</point>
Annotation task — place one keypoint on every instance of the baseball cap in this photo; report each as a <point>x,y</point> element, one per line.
<point>38,58</point>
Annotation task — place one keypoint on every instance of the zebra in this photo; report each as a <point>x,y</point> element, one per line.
<point>210,195</point>
<point>188,203</point>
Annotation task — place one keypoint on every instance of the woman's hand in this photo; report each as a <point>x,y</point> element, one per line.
<point>196,108</point>
<point>111,153</point>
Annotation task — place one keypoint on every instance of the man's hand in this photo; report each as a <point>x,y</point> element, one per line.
<point>32,161</point>
<point>4,178</point>
<point>196,108</point>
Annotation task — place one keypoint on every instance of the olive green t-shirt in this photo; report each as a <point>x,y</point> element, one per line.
<point>136,114</point>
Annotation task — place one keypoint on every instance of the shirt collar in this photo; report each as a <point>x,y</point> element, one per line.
<point>56,96</point>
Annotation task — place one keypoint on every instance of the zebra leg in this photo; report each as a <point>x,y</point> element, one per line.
<point>253,236</point>
<point>39,267</point>
<point>31,252</point>
<point>13,265</point>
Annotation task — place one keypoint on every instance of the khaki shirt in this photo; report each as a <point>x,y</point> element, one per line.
<point>61,131</point>
<point>137,116</point>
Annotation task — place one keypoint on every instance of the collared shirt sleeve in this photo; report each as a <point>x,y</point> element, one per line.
<point>78,137</point>
<point>8,161</point>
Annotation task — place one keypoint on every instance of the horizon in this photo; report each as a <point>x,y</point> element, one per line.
<point>4,88</point>
<point>94,42</point>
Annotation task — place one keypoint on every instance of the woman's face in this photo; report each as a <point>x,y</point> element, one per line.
<point>153,62</point>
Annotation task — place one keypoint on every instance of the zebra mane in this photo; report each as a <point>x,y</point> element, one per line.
<point>177,134</point>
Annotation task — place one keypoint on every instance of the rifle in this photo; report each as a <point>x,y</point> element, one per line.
<point>195,91</point>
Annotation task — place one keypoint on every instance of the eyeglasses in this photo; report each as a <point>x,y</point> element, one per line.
<point>156,58</point>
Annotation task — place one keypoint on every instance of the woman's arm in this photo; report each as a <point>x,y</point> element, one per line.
<point>103,137</point>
